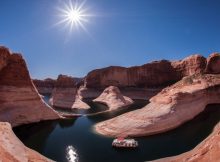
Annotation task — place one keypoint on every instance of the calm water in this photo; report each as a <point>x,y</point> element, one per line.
<point>51,138</point>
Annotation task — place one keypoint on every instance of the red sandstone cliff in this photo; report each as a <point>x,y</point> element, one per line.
<point>141,82</point>
<point>155,74</point>
<point>45,86</point>
<point>65,94</point>
<point>19,101</point>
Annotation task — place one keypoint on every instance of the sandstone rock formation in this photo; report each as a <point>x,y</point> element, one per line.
<point>65,94</point>
<point>170,108</point>
<point>12,149</point>
<point>113,98</point>
<point>193,64</point>
<point>208,150</point>
<point>213,64</point>
<point>19,101</point>
<point>141,82</point>
<point>45,86</point>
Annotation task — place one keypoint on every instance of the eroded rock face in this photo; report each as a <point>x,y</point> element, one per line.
<point>65,94</point>
<point>12,149</point>
<point>213,64</point>
<point>193,64</point>
<point>153,74</point>
<point>142,82</point>
<point>169,109</point>
<point>113,98</point>
<point>45,86</point>
<point>19,101</point>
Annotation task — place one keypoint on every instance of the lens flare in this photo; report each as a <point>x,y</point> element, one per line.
<point>73,15</point>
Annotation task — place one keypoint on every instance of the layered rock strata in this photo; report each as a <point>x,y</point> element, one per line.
<point>45,86</point>
<point>113,98</point>
<point>20,102</point>
<point>167,110</point>
<point>65,94</point>
<point>141,82</point>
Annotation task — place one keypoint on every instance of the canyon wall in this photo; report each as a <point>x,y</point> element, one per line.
<point>65,94</point>
<point>20,102</point>
<point>141,82</point>
<point>46,86</point>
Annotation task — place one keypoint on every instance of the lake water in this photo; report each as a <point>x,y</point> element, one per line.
<point>52,138</point>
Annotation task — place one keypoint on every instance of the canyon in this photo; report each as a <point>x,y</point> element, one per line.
<point>177,90</point>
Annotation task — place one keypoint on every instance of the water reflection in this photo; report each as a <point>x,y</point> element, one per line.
<point>71,154</point>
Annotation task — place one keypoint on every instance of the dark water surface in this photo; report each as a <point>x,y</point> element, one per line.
<point>51,138</point>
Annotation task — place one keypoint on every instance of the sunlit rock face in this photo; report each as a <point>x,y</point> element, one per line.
<point>20,103</point>
<point>113,98</point>
<point>167,110</point>
<point>142,82</point>
<point>193,64</point>
<point>13,150</point>
<point>65,94</point>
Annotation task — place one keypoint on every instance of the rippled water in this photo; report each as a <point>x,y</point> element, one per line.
<point>63,140</point>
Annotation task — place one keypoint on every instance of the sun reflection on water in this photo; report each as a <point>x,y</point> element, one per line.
<point>71,154</point>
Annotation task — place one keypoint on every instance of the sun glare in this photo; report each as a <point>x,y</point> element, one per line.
<point>73,15</point>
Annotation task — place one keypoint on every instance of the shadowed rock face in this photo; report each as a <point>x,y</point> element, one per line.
<point>19,101</point>
<point>113,98</point>
<point>45,86</point>
<point>65,94</point>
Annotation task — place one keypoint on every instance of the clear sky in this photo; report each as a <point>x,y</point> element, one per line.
<point>121,32</point>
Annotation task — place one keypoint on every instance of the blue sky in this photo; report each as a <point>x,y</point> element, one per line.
<point>122,32</point>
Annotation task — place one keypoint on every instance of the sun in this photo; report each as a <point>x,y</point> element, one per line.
<point>73,15</point>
